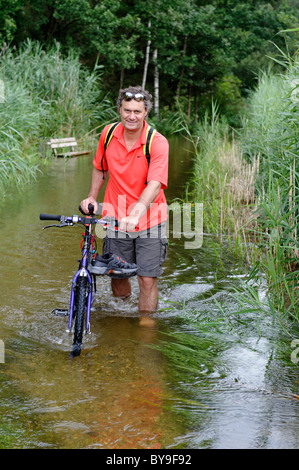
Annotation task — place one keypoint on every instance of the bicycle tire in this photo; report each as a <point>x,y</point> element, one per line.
<point>80,308</point>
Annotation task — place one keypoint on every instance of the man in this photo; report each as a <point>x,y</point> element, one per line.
<point>134,195</point>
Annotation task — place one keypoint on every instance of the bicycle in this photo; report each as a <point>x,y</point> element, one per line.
<point>83,288</point>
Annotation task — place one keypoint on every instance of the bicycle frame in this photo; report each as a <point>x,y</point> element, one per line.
<point>86,290</point>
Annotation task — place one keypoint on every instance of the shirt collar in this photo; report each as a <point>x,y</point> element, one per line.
<point>120,130</point>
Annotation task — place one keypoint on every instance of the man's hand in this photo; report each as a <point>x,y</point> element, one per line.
<point>128,224</point>
<point>84,204</point>
<point>149,194</point>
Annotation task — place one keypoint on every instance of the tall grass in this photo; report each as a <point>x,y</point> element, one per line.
<point>46,95</point>
<point>250,188</point>
<point>223,181</point>
<point>271,132</point>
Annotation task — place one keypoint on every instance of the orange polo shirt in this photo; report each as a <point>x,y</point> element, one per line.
<point>128,173</point>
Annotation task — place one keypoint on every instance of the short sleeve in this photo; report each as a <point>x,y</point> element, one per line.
<point>99,161</point>
<point>158,168</point>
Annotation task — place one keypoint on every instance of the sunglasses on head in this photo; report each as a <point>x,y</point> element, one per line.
<point>128,96</point>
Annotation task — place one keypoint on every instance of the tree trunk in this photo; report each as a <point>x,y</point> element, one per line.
<point>189,101</point>
<point>178,91</point>
<point>156,84</point>
<point>195,104</point>
<point>121,81</point>
<point>147,53</point>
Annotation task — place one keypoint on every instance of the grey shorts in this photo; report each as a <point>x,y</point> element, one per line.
<point>147,249</point>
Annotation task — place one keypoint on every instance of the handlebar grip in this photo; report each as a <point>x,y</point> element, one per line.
<point>90,209</point>
<point>49,217</point>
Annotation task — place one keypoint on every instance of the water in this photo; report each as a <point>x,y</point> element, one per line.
<point>192,376</point>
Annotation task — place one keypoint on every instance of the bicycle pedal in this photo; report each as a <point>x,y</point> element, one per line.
<point>60,312</point>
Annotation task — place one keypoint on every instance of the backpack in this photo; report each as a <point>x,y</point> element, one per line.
<point>150,132</point>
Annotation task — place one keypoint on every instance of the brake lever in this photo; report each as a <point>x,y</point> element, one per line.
<point>108,222</point>
<point>112,223</point>
<point>60,225</point>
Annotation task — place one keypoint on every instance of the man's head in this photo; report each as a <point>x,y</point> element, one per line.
<point>133,105</point>
<point>135,93</point>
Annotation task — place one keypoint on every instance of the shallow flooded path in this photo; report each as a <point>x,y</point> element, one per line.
<point>195,377</point>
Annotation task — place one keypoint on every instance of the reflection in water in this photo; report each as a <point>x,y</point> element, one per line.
<point>111,397</point>
<point>176,380</point>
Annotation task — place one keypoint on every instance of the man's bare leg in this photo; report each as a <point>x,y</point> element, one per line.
<point>121,287</point>
<point>148,299</point>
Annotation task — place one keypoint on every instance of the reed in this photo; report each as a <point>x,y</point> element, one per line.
<point>47,95</point>
<point>270,130</point>
<point>249,186</point>
<point>222,179</point>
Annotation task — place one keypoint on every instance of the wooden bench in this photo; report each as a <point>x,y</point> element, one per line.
<point>68,142</point>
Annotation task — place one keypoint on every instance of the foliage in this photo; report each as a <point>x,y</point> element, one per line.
<point>214,48</point>
<point>9,11</point>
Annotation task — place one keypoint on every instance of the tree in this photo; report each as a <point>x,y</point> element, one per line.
<point>8,13</point>
<point>147,54</point>
<point>201,47</point>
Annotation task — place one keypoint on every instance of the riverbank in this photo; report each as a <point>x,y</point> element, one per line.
<point>248,183</point>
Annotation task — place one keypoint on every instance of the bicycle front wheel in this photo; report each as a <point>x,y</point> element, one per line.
<point>80,308</point>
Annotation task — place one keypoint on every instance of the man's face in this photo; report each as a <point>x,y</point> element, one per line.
<point>132,114</point>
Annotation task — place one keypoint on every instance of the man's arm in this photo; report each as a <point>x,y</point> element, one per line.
<point>98,178</point>
<point>147,197</point>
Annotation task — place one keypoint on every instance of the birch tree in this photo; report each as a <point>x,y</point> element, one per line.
<point>156,83</point>
<point>147,55</point>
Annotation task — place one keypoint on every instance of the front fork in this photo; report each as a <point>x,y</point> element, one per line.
<point>87,237</point>
<point>81,272</point>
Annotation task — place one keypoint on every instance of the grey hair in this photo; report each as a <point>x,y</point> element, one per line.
<point>135,89</point>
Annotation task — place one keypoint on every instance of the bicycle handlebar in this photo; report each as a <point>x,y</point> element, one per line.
<point>90,209</point>
<point>88,220</point>
<point>58,217</point>
<point>75,219</point>
<point>50,217</point>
